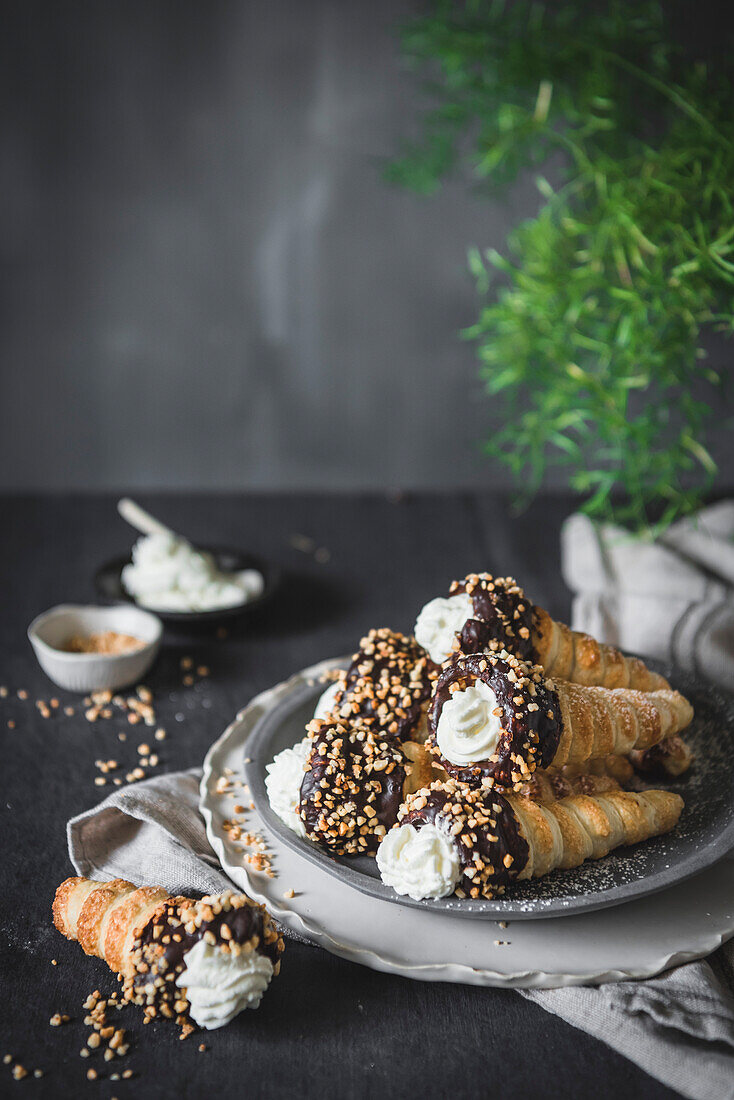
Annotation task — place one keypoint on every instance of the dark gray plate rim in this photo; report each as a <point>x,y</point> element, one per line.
<point>361,872</point>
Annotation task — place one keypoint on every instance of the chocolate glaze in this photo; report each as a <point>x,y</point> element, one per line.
<point>245,924</point>
<point>531,728</point>
<point>503,616</point>
<point>493,843</point>
<point>163,942</point>
<point>386,685</point>
<point>351,767</point>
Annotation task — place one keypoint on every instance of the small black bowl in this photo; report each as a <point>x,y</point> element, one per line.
<point>108,582</point>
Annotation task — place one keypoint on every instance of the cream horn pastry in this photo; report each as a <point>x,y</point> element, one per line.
<point>386,687</point>
<point>187,960</point>
<point>612,766</point>
<point>550,785</point>
<point>354,783</point>
<point>475,842</point>
<point>669,759</point>
<point>494,719</point>
<point>482,611</point>
<point>546,785</point>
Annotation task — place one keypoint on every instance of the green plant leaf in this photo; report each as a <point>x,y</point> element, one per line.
<point>592,317</point>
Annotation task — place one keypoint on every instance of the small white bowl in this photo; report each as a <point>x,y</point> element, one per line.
<point>90,671</point>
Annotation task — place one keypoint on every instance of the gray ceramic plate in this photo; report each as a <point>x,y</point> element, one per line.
<point>704,834</point>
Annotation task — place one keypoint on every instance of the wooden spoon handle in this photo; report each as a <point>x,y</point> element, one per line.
<point>140,519</point>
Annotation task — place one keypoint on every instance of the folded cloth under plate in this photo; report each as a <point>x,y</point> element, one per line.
<point>678,1027</point>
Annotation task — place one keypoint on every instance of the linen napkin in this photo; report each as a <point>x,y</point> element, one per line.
<point>678,1028</point>
<point>672,599</point>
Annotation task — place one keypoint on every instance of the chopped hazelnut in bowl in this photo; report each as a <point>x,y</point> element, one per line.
<point>85,648</point>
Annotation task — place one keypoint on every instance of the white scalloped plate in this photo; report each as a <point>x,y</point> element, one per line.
<point>635,940</point>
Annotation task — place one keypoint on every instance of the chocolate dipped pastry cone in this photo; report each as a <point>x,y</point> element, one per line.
<point>613,767</point>
<point>475,842</point>
<point>354,783</point>
<point>202,961</point>
<point>550,785</point>
<point>386,687</point>
<point>669,759</point>
<point>494,719</point>
<point>483,611</point>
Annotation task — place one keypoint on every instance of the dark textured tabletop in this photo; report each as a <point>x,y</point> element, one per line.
<point>326,1028</point>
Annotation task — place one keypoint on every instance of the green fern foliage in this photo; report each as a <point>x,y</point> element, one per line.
<point>589,335</point>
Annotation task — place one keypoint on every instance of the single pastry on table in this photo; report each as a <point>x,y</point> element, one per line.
<point>354,783</point>
<point>195,962</point>
<point>475,842</point>
<point>494,719</point>
<point>482,611</point>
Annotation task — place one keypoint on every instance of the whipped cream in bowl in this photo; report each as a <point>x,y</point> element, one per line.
<point>422,863</point>
<point>180,581</point>
<point>469,725</point>
<point>168,574</point>
<point>439,622</point>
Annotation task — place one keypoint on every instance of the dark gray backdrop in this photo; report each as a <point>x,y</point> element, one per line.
<point>207,282</point>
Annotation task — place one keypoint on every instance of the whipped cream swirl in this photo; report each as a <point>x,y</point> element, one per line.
<point>469,725</point>
<point>439,622</point>
<point>283,784</point>
<point>327,700</point>
<point>219,984</point>
<point>422,863</point>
